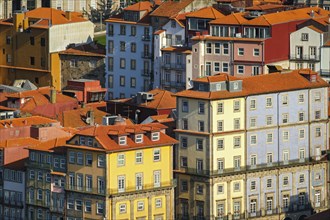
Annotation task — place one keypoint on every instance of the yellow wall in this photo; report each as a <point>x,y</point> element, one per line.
<point>147,167</point>
<point>56,70</point>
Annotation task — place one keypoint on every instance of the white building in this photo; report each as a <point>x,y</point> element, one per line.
<point>325,61</point>
<point>305,45</point>
<point>171,56</point>
<point>129,52</point>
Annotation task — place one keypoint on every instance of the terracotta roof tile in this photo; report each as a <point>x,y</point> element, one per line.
<point>50,145</point>
<point>163,99</point>
<point>92,49</point>
<point>207,13</point>
<point>170,8</point>
<point>28,121</point>
<point>140,6</point>
<point>19,142</point>
<point>217,78</point>
<point>260,85</point>
<point>186,50</point>
<point>264,7</point>
<point>232,19</point>
<point>77,118</point>
<point>101,134</point>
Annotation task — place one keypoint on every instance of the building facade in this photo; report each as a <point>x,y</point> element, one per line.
<point>252,148</point>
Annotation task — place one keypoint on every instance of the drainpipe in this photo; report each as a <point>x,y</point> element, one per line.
<point>263,57</point>
<point>278,158</point>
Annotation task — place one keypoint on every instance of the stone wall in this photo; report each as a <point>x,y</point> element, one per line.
<point>83,69</point>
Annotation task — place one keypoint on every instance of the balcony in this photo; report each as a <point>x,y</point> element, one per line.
<point>173,84</point>
<point>146,73</point>
<point>254,214</point>
<point>146,55</point>
<point>298,57</point>
<point>38,165</point>
<point>146,37</point>
<point>145,188</point>
<point>174,66</point>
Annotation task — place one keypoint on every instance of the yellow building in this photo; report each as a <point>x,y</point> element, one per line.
<point>26,49</point>
<point>212,149</point>
<point>120,172</point>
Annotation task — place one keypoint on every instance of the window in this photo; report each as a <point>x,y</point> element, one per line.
<point>237,124</point>
<point>199,165</point>
<point>317,132</point>
<point>208,48</point>
<point>139,181</point>
<point>100,161</point>
<point>88,206</point>
<point>201,126</point>
<point>240,69</point>
<point>253,139</point>
<point>220,108</point>
<point>301,199</point>
<point>220,144</point>
<point>39,194</point>
<point>156,155</point>
<point>184,162</point>
<point>80,158</point>
<point>302,154</point>
<point>121,160</point>
<point>225,49</point>
<point>184,185</point>
<point>240,51</point>
<point>285,156</point>
<point>285,201</point>
<point>122,64</point>
<point>199,144</point>
<point>269,120</point>
<point>317,97</point>
<point>284,99</point>
<point>285,118</point>
<point>270,138</point>
<point>253,122</point>
<point>269,183</point>
<point>237,106</point>
<point>253,185</point>
<point>256,52</point>
<point>304,36</point>
<point>236,186</point>
<point>122,81</point>
<point>253,206</point>
<point>199,189</point>
<point>100,185</point>
<point>237,142</point>
<point>185,124</point>
<point>301,178</point>
<point>302,133</point>
<point>220,188</point>
<point>99,207</point>
<point>133,30</point>
<point>89,160</point>
<point>89,183</point>
<point>317,114</point>
<point>253,160</point>
<point>122,30</point>
<point>301,116</point>
<point>185,106</point>
<point>225,67</point>
<point>216,67</point>
<point>140,205</point>
<point>70,204</point>
<point>32,62</point>
<point>201,107</point>
<point>301,98</point>
<point>269,102</point>
<point>285,135</point>
<point>157,178</point>
<point>252,104</point>
<point>158,203</point>
<point>133,47</point>
<point>285,181</point>
<point>219,126</point>
<point>121,183</point>
<point>78,205</point>
<point>40,176</point>
<point>8,40</point>
<point>122,208</point>
<point>217,48</point>
<point>237,162</point>
<point>122,45</point>
<point>269,158</point>
<point>155,136</point>
<point>220,164</point>
<point>184,142</point>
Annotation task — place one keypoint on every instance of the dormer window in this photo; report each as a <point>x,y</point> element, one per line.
<point>155,136</point>
<point>82,140</point>
<point>139,138</point>
<point>122,140</point>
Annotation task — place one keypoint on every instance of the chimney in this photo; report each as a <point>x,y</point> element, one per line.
<point>18,21</point>
<point>90,117</point>
<point>68,15</point>
<point>52,95</point>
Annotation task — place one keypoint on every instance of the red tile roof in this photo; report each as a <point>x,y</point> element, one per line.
<point>19,142</point>
<point>28,121</point>
<point>264,7</point>
<point>186,50</point>
<point>50,145</point>
<point>92,49</point>
<point>140,6</point>
<point>259,85</point>
<point>232,19</point>
<point>102,135</point>
<point>171,8</point>
<point>205,13</point>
